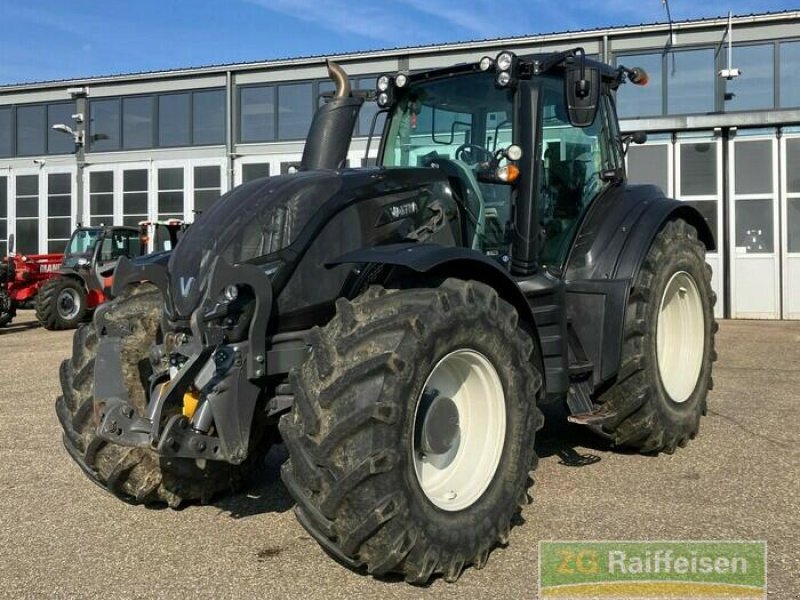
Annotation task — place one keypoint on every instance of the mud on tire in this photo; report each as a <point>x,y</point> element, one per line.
<point>137,475</point>
<point>351,468</point>
<point>645,416</point>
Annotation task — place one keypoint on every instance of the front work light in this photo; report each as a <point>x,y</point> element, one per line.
<point>504,61</point>
<point>400,80</point>
<point>383,83</point>
<point>503,78</point>
<point>486,63</point>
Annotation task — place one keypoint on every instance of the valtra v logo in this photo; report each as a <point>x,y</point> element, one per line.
<point>186,285</point>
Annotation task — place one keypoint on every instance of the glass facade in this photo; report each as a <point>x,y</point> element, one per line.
<point>174,127</point>
<point>101,198</point>
<point>789,64</point>
<point>104,126</point>
<point>59,211</point>
<point>170,193</point>
<point>6,132</point>
<point>642,101</point>
<point>59,142</point>
<point>207,187</point>
<point>691,77</point>
<point>137,122</point>
<point>134,196</point>
<point>295,109</point>
<point>31,130</point>
<point>27,208</point>
<point>257,114</point>
<point>754,89</point>
<point>252,171</point>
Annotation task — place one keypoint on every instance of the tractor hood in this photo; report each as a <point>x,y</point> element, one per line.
<point>255,220</point>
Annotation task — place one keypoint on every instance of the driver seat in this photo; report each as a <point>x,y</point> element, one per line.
<point>466,187</point>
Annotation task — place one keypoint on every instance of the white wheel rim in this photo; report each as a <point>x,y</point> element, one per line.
<point>454,480</point>
<point>68,304</point>
<point>680,336</point>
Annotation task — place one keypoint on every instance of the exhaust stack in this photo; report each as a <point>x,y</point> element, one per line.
<point>332,127</point>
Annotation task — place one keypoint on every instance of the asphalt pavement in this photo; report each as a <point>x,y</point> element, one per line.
<point>61,536</point>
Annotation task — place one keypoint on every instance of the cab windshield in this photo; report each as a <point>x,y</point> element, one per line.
<point>83,241</point>
<point>457,124</point>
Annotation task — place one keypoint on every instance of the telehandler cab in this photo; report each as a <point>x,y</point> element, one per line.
<point>400,326</point>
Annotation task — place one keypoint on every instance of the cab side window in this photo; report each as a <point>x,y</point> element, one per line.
<point>571,168</point>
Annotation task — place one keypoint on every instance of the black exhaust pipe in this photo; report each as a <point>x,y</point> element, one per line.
<point>332,127</point>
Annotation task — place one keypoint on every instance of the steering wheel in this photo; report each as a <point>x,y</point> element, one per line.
<point>472,154</point>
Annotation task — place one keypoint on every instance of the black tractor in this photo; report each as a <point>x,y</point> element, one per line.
<point>400,327</point>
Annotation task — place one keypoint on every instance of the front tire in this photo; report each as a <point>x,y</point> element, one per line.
<point>661,391</point>
<point>386,381</point>
<point>61,303</point>
<point>137,475</point>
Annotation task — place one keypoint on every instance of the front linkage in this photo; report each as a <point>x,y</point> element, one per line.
<point>214,381</point>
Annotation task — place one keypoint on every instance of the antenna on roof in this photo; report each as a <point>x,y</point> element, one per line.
<point>665,4</point>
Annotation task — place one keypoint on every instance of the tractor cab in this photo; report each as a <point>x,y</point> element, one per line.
<point>86,274</point>
<point>161,236</point>
<point>527,143</point>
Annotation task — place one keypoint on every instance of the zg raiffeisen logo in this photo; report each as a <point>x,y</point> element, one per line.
<point>652,570</point>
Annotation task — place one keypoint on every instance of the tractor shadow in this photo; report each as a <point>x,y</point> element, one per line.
<point>17,327</point>
<point>264,491</point>
<point>560,438</point>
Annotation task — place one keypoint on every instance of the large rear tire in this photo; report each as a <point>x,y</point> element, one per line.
<point>412,433</point>
<point>61,303</point>
<point>137,475</point>
<point>660,394</point>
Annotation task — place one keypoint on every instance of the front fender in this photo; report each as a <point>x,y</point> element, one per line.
<point>448,261</point>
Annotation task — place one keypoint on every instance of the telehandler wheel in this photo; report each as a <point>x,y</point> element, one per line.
<point>136,475</point>
<point>668,349</point>
<point>61,303</point>
<point>412,433</point>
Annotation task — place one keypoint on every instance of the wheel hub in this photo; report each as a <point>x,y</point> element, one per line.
<point>440,426</point>
<point>68,305</point>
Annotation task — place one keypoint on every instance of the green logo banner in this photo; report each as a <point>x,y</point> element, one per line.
<point>650,570</point>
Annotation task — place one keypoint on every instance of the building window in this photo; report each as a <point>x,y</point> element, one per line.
<point>6,134</point>
<point>170,193</point>
<point>793,201</point>
<point>59,211</point>
<point>208,117</point>
<point>753,177</point>
<point>101,198</point>
<point>207,187</point>
<point>755,88</point>
<point>173,120</point>
<point>104,125</point>
<point>59,142</point>
<point>3,216</point>
<point>790,66</point>
<point>27,214</point>
<point>295,109</point>
<point>691,82</point>
<point>257,114</point>
<point>134,196</point>
<point>698,175</point>
<point>31,130</point>
<point>137,122</point>
<point>649,164</point>
<point>251,171</point>
<point>642,101</point>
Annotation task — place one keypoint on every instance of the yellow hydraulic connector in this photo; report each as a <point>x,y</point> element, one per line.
<point>190,401</point>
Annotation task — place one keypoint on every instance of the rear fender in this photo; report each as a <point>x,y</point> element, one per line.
<point>608,252</point>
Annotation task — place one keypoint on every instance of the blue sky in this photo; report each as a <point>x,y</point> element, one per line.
<point>55,39</point>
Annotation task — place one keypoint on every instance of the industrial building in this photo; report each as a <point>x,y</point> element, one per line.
<point>165,144</point>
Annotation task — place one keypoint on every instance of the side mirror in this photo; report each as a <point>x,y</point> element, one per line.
<point>637,137</point>
<point>11,244</point>
<point>582,91</point>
